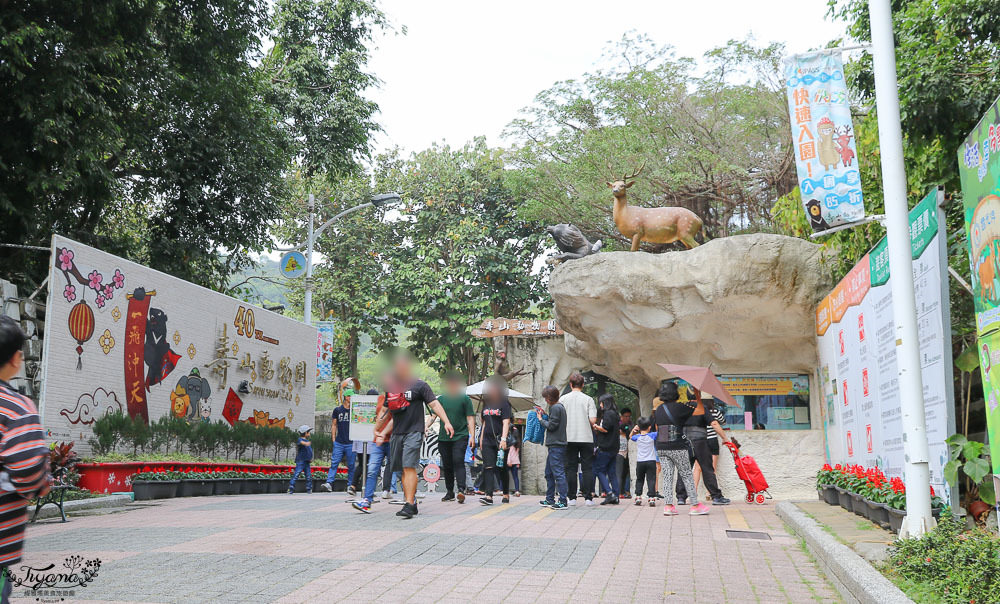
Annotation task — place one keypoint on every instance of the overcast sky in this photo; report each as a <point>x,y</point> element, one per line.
<point>465,68</point>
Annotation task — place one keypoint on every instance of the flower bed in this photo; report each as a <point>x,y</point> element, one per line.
<point>867,493</point>
<point>164,484</point>
<point>118,476</point>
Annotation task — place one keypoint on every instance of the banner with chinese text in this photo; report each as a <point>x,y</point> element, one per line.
<point>823,140</point>
<point>324,350</point>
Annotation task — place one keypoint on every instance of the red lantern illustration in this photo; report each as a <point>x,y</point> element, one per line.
<point>81,327</point>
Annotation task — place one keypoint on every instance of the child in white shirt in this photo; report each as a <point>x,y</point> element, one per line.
<point>645,464</point>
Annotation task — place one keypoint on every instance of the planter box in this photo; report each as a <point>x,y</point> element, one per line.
<point>228,486</point>
<point>878,514</point>
<point>859,506</point>
<point>255,486</point>
<point>154,489</point>
<point>109,477</point>
<point>828,493</point>
<point>196,488</point>
<point>277,485</point>
<point>845,500</point>
<point>895,518</point>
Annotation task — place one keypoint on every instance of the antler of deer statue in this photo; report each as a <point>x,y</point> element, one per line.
<point>655,225</point>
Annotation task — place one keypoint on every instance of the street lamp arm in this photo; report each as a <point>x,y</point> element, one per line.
<point>323,226</point>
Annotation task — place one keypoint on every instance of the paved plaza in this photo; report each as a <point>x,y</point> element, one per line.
<point>316,548</point>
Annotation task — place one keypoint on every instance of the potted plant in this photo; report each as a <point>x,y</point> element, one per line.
<point>875,493</point>
<point>825,484</point>
<point>255,483</point>
<point>895,503</point>
<point>841,478</point>
<point>155,485</point>
<point>196,484</point>
<point>278,482</point>
<point>228,483</point>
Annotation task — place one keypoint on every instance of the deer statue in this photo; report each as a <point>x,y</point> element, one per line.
<point>655,225</point>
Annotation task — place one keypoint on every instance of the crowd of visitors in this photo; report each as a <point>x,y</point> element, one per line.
<point>587,444</point>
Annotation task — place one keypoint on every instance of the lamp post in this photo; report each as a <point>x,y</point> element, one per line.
<point>918,518</point>
<point>376,201</point>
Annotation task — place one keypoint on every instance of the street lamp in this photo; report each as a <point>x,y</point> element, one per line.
<point>376,201</point>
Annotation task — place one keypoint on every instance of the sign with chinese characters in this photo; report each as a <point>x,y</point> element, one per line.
<point>121,337</point>
<point>492,328</point>
<point>324,350</point>
<point>856,340</point>
<point>979,168</point>
<point>823,140</point>
<point>363,417</point>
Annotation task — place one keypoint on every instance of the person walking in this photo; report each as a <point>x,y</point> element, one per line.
<point>622,468</point>
<point>458,408</point>
<point>514,441</point>
<point>496,417</point>
<point>303,460</point>
<point>719,418</point>
<point>696,431</point>
<point>406,402</point>
<point>555,443</point>
<point>672,448</point>
<point>24,457</point>
<point>581,415</point>
<point>608,439</point>
<point>343,448</point>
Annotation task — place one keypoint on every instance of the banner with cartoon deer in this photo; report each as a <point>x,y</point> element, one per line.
<point>123,337</point>
<point>823,140</point>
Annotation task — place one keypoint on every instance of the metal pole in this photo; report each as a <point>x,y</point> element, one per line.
<point>911,392</point>
<point>307,311</point>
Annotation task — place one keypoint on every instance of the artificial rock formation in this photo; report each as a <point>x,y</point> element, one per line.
<point>744,304</point>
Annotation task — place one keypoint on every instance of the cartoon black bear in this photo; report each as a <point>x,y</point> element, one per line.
<point>816,220</point>
<point>156,350</point>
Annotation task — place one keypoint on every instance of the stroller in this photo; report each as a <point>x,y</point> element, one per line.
<point>750,474</point>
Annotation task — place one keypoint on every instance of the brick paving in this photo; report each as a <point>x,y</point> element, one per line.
<point>316,548</point>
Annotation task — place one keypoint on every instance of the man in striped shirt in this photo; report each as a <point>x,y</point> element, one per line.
<point>24,457</point>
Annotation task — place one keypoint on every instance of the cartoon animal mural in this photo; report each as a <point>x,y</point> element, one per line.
<point>829,156</point>
<point>204,411</point>
<point>815,211</point>
<point>157,355</point>
<point>844,137</point>
<point>188,395</point>
<point>92,405</point>
<point>263,418</point>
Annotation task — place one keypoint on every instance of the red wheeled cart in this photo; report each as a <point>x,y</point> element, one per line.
<point>750,474</point>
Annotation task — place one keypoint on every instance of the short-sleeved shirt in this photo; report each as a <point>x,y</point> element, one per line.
<point>343,418</point>
<point>493,415</point>
<point>303,450</point>
<point>679,414</point>
<point>645,445</point>
<point>457,409</point>
<point>411,419</point>
<point>715,414</point>
<point>580,409</point>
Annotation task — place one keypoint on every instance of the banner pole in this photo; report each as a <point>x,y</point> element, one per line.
<point>916,455</point>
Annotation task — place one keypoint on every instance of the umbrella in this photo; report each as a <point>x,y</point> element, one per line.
<point>703,379</point>
<point>519,401</point>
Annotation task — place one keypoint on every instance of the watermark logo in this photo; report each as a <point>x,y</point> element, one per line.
<point>54,583</point>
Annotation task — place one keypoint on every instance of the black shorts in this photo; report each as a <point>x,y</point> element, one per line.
<point>713,445</point>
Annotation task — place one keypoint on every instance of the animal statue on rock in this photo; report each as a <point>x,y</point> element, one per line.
<point>654,225</point>
<point>571,243</point>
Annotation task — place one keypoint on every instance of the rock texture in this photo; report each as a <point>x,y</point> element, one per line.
<point>744,304</point>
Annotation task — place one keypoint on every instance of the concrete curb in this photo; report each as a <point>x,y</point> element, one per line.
<point>854,578</point>
<point>111,501</point>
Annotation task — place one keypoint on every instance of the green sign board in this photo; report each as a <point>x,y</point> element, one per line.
<point>979,167</point>
<point>923,227</point>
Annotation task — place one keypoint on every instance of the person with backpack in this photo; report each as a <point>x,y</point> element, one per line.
<point>496,417</point>
<point>25,466</point>
<point>672,448</point>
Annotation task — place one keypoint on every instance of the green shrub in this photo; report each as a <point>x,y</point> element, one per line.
<point>109,431</point>
<point>956,564</point>
<point>322,444</point>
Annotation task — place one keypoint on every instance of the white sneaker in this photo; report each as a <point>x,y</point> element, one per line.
<point>589,502</point>
<point>326,487</point>
<point>351,491</point>
<point>385,495</point>
<point>572,502</point>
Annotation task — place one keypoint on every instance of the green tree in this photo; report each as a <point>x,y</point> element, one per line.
<point>462,252</point>
<point>717,142</point>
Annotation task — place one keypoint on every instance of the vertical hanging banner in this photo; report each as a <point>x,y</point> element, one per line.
<point>979,168</point>
<point>823,140</point>
<point>324,350</point>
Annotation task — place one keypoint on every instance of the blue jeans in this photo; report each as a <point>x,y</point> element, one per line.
<point>302,466</point>
<point>604,468</point>
<point>341,451</point>
<point>376,453</point>
<point>555,474</point>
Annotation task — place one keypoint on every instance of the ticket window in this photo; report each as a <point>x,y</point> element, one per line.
<point>767,402</point>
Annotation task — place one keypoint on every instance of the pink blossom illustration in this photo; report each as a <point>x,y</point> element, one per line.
<point>109,291</point>
<point>100,301</point>
<point>65,259</point>
<point>95,280</point>
<point>69,292</point>
<point>119,279</point>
